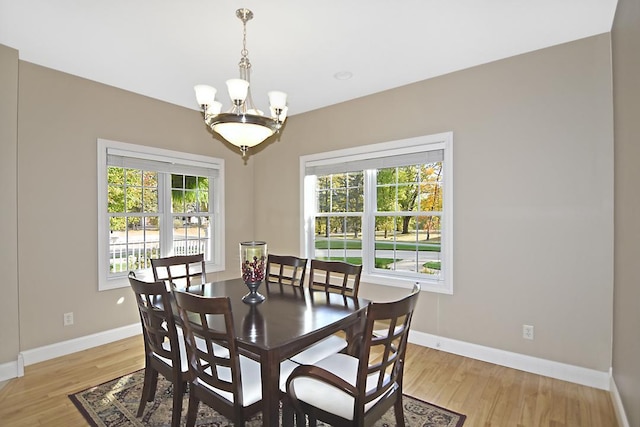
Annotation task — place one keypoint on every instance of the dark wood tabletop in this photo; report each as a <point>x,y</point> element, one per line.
<point>287,321</point>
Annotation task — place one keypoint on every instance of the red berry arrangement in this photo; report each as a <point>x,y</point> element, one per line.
<point>253,272</point>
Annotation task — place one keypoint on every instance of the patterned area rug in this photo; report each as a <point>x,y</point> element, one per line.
<point>115,403</point>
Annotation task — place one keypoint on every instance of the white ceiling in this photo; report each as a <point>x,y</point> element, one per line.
<point>162,48</point>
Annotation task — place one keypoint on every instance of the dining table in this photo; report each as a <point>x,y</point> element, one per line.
<point>290,319</point>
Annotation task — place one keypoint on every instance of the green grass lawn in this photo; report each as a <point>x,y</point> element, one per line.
<point>381,245</point>
<point>381,262</point>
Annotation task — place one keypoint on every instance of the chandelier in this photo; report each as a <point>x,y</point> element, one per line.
<point>243,125</point>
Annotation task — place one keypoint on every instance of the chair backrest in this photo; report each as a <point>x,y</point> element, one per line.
<point>382,353</point>
<point>157,318</point>
<point>180,271</point>
<point>209,320</point>
<point>286,270</point>
<point>335,276</point>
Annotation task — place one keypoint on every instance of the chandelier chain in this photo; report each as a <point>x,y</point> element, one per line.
<point>244,61</point>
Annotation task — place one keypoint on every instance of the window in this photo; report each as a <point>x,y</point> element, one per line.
<point>386,206</point>
<point>154,203</point>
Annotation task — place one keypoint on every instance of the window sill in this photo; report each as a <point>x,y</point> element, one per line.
<point>435,286</point>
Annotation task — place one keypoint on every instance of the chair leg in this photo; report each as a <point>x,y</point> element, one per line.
<point>178,394</point>
<point>398,410</point>
<point>192,412</point>
<point>287,414</point>
<point>301,419</point>
<point>153,385</point>
<point>148,388</point>
<point>239,419</point>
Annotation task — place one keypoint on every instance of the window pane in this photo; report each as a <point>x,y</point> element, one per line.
<point>339,180</point>
<point>386,190</point>
<point>408,174</point>
<point>191,200</point>
<point>191,235</point>
<point>339,238</point>
<point>386,176</point>
<point>150,200</point>
<point>407,197</point>
<point>133,198</point>
<point>408,243</point>
<point>133,177</point>
<point>339,200</point>
<point>133,241</point>
<point>323,182</point>
<point>203,195</point>
<point>355,192</point>
<point>178,201</point>
<point>177,181</point>
<point>189,194</point>
<point>150,179</point>
<point>190,181</point>
<point>432,188</point>
<point>115,194</point>
<point>324,200</point>
<point>115,189</point>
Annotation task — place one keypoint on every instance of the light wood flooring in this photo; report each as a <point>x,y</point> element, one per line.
<point>490,395</point>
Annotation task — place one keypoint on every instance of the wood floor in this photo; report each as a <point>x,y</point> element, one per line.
<point>490,395</point>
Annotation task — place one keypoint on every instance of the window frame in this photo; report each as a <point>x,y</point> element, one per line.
<point>182,160</point>
<point>422,144</point>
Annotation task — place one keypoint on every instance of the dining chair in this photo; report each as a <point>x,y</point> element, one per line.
<point>332,277</point>
<point>180,271</point>
<point>230,383</point>
<point>164,350</point>
<point>335,276</point>
<point>286,270</point>
<point>344,390</point>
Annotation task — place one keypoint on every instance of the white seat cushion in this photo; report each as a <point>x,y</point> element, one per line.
<point>286,368</point>
<point>328,398</point>
<point>331,345</point>
<point>251,380</point>
<point>218,350</point>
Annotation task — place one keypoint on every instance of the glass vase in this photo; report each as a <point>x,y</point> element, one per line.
<point>253,262</point>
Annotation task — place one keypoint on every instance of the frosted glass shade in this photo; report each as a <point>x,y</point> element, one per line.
<point>205,95</point>
<point>277,99</point>
<point>237,89</point>
<point>214,108</point>
<point>243,134</point>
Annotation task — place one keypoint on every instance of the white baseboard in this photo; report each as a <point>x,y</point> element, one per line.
<point>621,415</point>
<point>561,371</point>
<point>8,370</point>
<point>40,354</point>
<point>548,368</point>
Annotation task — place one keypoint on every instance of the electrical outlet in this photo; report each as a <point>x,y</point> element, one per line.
<point>68,319</point>
<point>527,332</point>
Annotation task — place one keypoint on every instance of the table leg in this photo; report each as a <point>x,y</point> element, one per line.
<point>353,333</point>
<point>270,373</point>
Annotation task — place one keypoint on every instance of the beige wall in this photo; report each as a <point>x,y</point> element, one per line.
<point>60,119</point>
<point>626,320</point>
<point>9,338</point>
<point>533,195</point>
<point>533,178</point>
